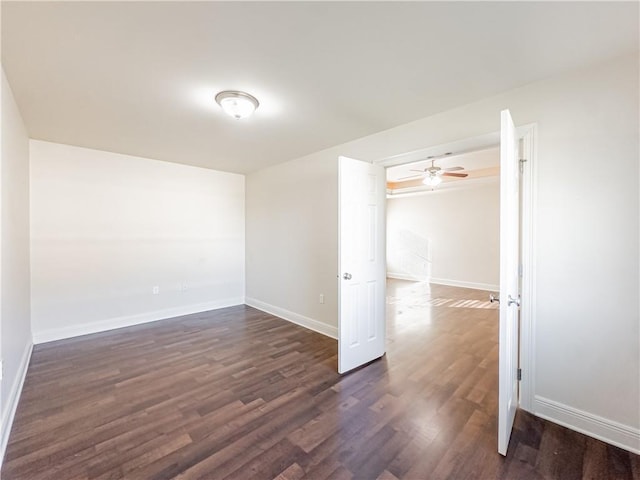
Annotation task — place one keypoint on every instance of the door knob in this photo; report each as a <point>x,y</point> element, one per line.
<point>512,300</point>
<point>347,276</point>
<point>494,298</point>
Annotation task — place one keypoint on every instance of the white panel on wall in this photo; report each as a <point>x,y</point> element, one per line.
<point>408,253</point>
<point>108,230</point>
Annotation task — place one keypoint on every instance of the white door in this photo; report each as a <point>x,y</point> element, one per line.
<point>362,265</point>
<point>509,294</point>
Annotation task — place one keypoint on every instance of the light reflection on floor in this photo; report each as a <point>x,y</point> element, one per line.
<point>412,307</point>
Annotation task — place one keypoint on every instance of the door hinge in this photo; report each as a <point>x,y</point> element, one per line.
<point>522,160</point>
<point>519,374</point>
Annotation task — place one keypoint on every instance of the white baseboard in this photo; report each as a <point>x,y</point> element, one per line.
<point>405,276</point>
<point>9,410</point>
<point>129,320</point>
<point>608,431</point>
<point>443,281</point>
<point>458,283</point>
<point>306,322</point>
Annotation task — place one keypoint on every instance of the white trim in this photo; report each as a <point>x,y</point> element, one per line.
<point>129,320</point>
<point>608,431</point>
<point>472,144</point>
<point>404,276</point>
<point>306,322</point>
<point>444,281</point>
<point>529,135</point>
<point>463,284</point>
<point>9,410</point>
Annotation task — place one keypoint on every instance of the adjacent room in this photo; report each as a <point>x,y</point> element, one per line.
<point>176,298</point>
<point>443,236</point>
<point>446,233</point>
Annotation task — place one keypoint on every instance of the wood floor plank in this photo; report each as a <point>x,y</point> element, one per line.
<point>292,472</point>
<point>239,394</point>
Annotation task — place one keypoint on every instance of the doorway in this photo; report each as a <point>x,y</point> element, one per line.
<point>527,133</point>
<point>443,259</point>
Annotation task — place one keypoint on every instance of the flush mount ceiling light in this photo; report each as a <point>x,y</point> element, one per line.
<point>237,104</point>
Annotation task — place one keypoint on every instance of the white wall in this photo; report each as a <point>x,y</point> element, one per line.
<point>449,236</point>
<point>291,242</point>
<point>107,228</point>
<point>587,353</point>
<point>15,326</point>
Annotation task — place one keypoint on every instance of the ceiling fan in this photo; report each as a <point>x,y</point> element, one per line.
<point>432,175</point>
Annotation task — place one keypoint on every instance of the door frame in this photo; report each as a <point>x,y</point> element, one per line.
<point>529,135</point>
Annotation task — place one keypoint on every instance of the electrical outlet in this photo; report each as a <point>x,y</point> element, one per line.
<point>156,290</point>
<point>184,287</point>
<point>321,298</point>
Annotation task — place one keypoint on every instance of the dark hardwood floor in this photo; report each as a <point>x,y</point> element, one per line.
<point>237,393</point>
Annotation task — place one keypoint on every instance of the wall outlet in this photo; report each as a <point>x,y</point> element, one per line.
<point>321,298</point>
<point>156,290</point>
<point>184,287</point>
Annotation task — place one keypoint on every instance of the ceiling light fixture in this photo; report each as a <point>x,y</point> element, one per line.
<point>237,104</point>
<point>432,180</point>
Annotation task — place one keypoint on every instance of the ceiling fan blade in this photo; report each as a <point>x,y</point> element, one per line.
<point>453,169</point>
<point>461,175</point>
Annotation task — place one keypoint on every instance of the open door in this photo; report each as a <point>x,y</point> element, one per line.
<point>362,265</point>
<point>509,284</point>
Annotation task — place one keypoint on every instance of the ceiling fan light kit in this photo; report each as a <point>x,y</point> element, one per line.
<point>236,103</point>
<point>432,180</point>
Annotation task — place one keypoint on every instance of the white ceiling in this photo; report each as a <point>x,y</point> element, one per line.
<point>139,77</point>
